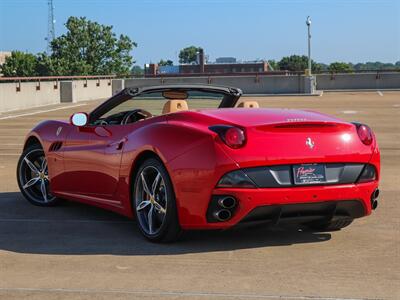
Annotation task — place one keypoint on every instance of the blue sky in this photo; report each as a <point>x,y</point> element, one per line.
<point>342,30</point>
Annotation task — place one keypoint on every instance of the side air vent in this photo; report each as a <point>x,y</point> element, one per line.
<point>55,146</point>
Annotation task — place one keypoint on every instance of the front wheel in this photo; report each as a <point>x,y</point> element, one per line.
<point>33,177</point>
<point>154,203</point>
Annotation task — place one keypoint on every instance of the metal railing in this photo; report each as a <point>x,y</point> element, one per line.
<point>55,78</point>
<point>269,73</point>
<point>173,75</point>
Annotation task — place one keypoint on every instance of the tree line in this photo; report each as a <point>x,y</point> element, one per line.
<point>300,63</point>
<point>295,63</point>
<point>89,48</point>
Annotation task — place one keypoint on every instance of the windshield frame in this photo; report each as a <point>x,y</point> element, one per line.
<point>230,96</point>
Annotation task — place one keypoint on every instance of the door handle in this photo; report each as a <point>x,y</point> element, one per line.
<point>118,145</point>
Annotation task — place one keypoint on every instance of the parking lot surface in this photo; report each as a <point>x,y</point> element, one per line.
<point>75,251</point>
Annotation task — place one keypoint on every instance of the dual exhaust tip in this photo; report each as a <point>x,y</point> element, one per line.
<point>374,199</point>
<point>224,214</point>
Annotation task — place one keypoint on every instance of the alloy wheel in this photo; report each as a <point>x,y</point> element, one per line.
<point>151,200</point>
<point>34,178</point>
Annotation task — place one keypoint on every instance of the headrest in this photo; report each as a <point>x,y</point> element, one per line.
<point>172,106</point>
<point>249,104</point>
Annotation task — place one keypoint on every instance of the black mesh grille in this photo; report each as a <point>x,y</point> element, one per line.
<point>307,211</point>
<point>282,175</point>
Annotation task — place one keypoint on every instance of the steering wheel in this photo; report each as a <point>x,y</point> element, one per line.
<point>141,114</point>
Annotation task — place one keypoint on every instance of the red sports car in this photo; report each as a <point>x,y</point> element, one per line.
<point>195,157</point>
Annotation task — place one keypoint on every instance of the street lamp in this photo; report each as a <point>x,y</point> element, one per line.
<point>308,22</point>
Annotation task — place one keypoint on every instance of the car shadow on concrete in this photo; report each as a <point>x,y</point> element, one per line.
<point>77,229</point>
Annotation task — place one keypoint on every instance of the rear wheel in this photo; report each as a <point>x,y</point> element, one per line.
<point>332,225</point>
<point>154,203</point>
<point>33,177</point>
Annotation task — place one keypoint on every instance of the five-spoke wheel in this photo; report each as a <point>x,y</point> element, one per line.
<point>154,202</point>
<point>151,199</point>
<point>33,178</point>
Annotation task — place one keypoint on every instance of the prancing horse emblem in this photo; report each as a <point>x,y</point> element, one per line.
<point>58,131</point>
<point>310,143</point>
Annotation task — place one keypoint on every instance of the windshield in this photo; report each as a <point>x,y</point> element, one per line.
<point>155,102</point>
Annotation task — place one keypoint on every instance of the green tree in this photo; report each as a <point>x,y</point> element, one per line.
<point>293,63</point>
<point>167,62</point>
<point>374,66</point>
<point>48,66</point>
<point>137,70</point>
<point>319,67</point>
<point>19,64</point>
<point>273,65</point>
<point>89,48</point>
<point>340,67</point>
<point>189,54</point>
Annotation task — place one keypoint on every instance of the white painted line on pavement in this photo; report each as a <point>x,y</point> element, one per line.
<point>40,112</point>
<point>350,112</point>
<point>380,93</point>
<point>62,221</point>
<point>172,293</point>
<point>122,268</point>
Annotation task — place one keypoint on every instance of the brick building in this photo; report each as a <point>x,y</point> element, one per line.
<point>213,68</point>
<point>246,67</point>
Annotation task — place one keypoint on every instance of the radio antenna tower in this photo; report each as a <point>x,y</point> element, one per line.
<point>50,25</point>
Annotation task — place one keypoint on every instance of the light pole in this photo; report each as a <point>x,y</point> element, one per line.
<point>308,22</point>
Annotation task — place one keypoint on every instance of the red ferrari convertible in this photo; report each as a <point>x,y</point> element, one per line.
<point>195,157</point>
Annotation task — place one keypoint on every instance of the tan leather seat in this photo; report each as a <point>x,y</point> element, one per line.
<point>249,104</point>
<point>172,106</point>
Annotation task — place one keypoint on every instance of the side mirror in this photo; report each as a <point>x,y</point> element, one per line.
<point>79,119</point>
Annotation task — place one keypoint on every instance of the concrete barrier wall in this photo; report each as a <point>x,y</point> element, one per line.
<point>23,95</point>
<point>358,81</point>
<point>264,84</point>
<point>91,89</point>
<point>17,96</point>
<point>249,84</point>
<point>285,84</point>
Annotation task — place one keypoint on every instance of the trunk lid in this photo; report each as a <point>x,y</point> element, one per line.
<point>285,136</point>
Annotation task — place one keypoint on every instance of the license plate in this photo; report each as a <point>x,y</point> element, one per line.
<point>309,174</point>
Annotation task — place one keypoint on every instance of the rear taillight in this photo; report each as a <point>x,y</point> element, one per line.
<point>236,179</point>
<point>232,136</point>
<point>368,174</point>
<point>365,134</point>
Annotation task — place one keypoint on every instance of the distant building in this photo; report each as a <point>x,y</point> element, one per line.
<point>214,68</point>
<point>168,69</point>
<point>225,60</point>
<point>245,67</point>
<point>3,56</point>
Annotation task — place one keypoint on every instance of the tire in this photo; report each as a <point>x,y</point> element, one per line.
<point>154,203</point>
<point>332,225</point>
<point>32,177</point>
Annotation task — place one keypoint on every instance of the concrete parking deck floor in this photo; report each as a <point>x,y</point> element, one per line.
<point>79,252</point>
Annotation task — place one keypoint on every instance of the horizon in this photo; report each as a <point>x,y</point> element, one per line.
<point>214,26</point>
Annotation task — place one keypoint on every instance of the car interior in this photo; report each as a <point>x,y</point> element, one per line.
<point>175,101</point>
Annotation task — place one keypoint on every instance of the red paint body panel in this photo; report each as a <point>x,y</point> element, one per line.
<point>96,163</point>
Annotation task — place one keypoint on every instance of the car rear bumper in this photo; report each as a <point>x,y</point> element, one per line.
<point>299,204</point>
